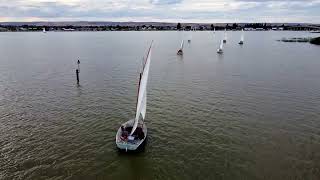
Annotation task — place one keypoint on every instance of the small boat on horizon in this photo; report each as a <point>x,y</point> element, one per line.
<point>225,36</point>
<point>44,30</point>
<point>189,39</point>
<point>242,38</point>
<point>132,134</point>
<point>180,51</point>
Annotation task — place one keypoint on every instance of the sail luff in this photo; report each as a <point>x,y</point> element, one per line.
<point>142,92</point>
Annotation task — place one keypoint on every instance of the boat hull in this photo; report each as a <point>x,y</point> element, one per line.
<point>180,52</point>
<point>134,145</point>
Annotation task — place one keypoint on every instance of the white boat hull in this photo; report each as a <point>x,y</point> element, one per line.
<point>127,145</point>
<point>219,51</point>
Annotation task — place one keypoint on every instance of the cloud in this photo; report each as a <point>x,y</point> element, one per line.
<point>165,2</point>
<point>162,10</point>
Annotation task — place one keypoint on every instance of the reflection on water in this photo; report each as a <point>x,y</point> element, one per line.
<point>250,113</point>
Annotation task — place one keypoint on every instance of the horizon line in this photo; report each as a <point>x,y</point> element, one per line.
<point>176,22</point>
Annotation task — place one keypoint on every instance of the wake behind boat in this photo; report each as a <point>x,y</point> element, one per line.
<point>133,133</point>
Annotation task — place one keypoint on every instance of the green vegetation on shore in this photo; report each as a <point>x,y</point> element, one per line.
<point>149,26</point>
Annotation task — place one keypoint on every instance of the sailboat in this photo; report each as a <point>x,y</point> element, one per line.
<point>225,36</point>
<point>180,51</point>
<point>220,49</point>
<point>242,38</point>
<point>132,134</point>
<point>189,38</point>
<point>44,30</point>
<point>214,30</point>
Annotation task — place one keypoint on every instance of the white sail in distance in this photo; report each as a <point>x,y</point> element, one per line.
<point>181,47</point>
<point>225,34</point>
<point>242,36</point>
<point>221,45</point>
<point>142,92</point>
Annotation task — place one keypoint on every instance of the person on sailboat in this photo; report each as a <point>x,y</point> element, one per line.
<point>124,135</point>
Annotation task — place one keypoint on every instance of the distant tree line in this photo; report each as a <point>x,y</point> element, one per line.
<point>179,26</point>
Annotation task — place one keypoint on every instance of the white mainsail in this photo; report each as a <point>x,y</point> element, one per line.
<point>181,47</point>
<point>242,36</point>
<point>225,34</point>
<point>142,92</point>
<point>221,45</point>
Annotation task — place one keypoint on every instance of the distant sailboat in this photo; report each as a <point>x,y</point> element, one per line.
<point>189,38</point>
<point>133,133</point>
<point>44,30</point>
<point>220,49</point>
<point>242,38</point>
<point>214,30</point>
<point>180,51</point>
<point>225,36</point>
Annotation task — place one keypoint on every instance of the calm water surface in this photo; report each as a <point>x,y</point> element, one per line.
<point>251,113</point>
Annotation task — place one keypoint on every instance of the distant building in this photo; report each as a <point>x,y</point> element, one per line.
<point>68,29</point>
<point>248,29</point>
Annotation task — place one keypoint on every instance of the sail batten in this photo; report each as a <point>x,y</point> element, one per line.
<point>142,92</point>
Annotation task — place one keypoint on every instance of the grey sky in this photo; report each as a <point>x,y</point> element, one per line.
<point>162,10</point>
